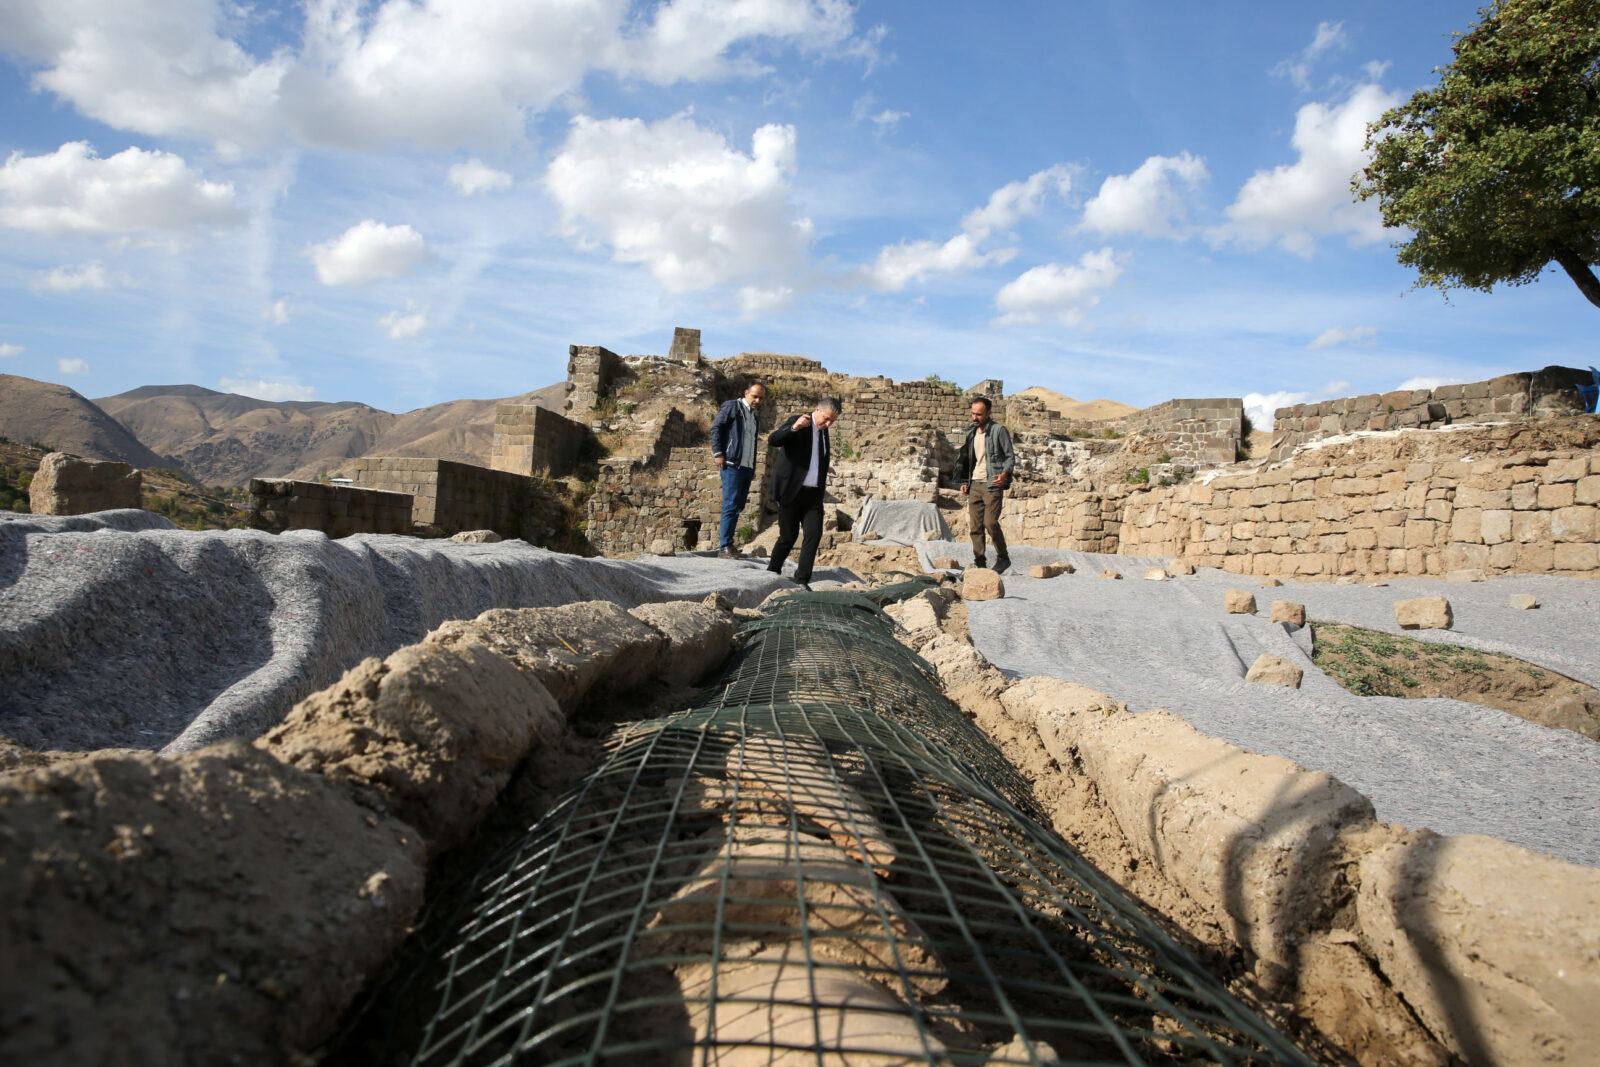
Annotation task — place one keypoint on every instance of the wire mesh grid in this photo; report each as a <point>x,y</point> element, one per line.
<point>817,879</point>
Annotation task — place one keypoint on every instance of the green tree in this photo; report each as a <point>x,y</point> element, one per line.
<point>1496,170</point>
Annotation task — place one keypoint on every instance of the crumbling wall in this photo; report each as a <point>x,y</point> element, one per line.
<point>1327,515</point>
<point>531,440</point>
<point>279,504</point>
<point>69,485</point>
<point>1542,393</point>
<point>590,371</point>
<point>1392,946</point>
<point>448,497</point>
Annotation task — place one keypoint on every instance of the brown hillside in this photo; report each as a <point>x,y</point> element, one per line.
<point>1079,409</point>
<point>55,415</point>
<point>226,439</point>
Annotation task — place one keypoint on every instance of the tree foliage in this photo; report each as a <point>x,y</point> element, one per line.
<point>1496,170</point>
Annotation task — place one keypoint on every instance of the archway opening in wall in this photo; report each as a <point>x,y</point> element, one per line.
<point>691,534</point>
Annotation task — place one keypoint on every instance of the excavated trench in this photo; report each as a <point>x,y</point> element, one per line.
<point>820,860</point>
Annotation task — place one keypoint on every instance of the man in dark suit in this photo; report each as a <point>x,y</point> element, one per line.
<point>799,476</point>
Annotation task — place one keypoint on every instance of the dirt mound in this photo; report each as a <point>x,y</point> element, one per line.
<point>218,907</point>
<point>1079,409</point>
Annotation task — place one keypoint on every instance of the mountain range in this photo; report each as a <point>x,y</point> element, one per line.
<point>226,439</point>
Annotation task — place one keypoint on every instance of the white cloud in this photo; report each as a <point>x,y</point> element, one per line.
<point>1430,383</point>
<point>72,366</point>
<point>692,39</point>
<point>1067,292</point>
<point>265,390</point>
<point>66,279</point>
<point>899,265</point>
<point>1261,406</point>
<point>755,302</point>
<point>1146,201</point>
<point>1294,204</point>
<point>277,314</point>
<point>1011,202</point>
<point>162,67</point>
<point>885,119</point>
<point>363,74</point>
<point>683,202</point>
<point>1329,35</point>
<point>475,176</point>
<point>368,251</point>
<point>1339,335</point>
<point>402,325</point>
<point>73,191</point>
<point>7,350</point>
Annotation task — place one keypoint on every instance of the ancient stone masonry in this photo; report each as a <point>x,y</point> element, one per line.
<point>279,504</point>
<point>672,505</point>
<point>1519,513</point>
<point>1546,392</point>
<point>590,371</point>
<point>531,440</point>
<point>1205,432</point>
<point>685,345</point>
<point>68,485</point>
<point>450,497</point>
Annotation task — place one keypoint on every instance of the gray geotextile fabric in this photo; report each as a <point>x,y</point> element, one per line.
<point>119,630</point>
<point>1454,767</point>
<point>900,522</point>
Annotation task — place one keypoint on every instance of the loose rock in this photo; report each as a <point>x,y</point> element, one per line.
<point>1239,602</point>
<point>1523,601</point>
<point>1423,613</point>
<point>981,583</point>
<point>476,537</point>
<point>1274,670</point>
<point>1155,574</point>
<point>1290,612</point>
<point>1116,575</point>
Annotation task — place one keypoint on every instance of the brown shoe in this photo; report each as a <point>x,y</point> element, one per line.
<point>730,553</point>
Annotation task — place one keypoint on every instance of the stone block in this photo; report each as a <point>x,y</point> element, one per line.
<point>1423,613</point>
<point>1268,583</point>
<point>1239,602</point>
<point>1557,495</point>
<point>1155,574</point>
<point>1112,575</point>
<point>1180,566</point>
<point>981,583</point>
<point>946,563</point>
<point>1274,670</point>
<point>1524,496</point>
<point>1522,601</point>
<point>1570,557</point>
<point>1465,574</point>
<point>1587,490</point>
<point>1575,523</point>
<point>1049,570</point>
<point>1495,527</point>
<point>476,537</point>
<point>1289,611</point>
<point>67,485</point>
<point>1490,944</point>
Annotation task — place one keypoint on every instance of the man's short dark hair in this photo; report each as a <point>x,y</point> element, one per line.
<point>830,403</point>
<point>753,382</point>
<point>982,400</point>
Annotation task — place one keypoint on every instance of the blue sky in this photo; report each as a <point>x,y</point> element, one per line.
<point>405,202</point>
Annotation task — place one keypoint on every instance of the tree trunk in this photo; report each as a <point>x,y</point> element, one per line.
<point>1580,273</point>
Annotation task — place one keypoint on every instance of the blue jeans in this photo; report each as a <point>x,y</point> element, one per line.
<point>735,491</point>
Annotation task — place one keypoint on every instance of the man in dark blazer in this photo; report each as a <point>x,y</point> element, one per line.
<point>799,476</point>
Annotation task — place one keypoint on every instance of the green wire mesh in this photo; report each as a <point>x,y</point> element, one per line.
<point>821,863</point>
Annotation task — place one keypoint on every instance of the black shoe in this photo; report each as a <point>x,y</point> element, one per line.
<point>980,561</point>
<point>1001,564</point>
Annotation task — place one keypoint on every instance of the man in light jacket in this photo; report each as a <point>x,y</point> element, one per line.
<point>733,449</point>
<point>986,454</point>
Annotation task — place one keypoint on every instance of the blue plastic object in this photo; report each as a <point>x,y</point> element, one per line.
<point>1590,393</point>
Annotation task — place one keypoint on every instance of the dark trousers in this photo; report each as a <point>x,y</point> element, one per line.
<point>983,511</point>
<point>805,511</point>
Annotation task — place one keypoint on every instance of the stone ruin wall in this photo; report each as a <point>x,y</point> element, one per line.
<point>279,504</point>
<point>531,440</point>
<point>449,497</point>
<point>590,372</point>
<point>1546,392</point>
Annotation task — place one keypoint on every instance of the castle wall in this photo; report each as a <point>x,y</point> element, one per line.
<point>532,440</point>
<point>1517,514</point>
<point>279,504</point>
<point>678,502</point>
<point>449,496</point>
<point>590,371</point>
<point>1542,393</point>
